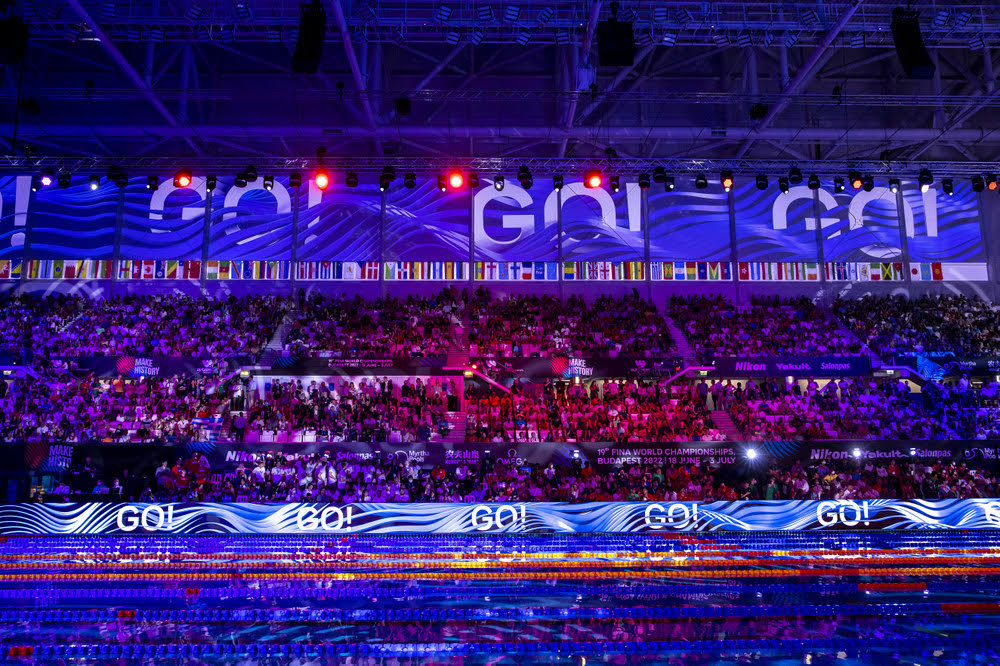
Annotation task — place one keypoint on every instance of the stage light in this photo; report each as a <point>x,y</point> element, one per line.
<point>268,183</point>
<point>894,185</point>
<point>36,183</point>
<point>182,179</point>
<point>644,181</point>
<point>409,180</point>
<point>240,180</point>
<point>152,182</point>
<point>838,184</point>
<point>700,181</point>
<point>251,173</point>
<point>762,181</point>
<point>991,182</point>
<point>856,453</point>
<point>668,184</point>
<point>557,182</point>
<point>498,182</point>
<point>726,178</point>
<point>783,185</point>
<point>524,177</point>
<point>321,178</point>
<point>926,179</point>
<point>63,179</point>
<point>813,182</point>
<point>442,184</point>
<point>294,179</point>
<point>211,182</point>
<point>855,179</point>
<point>794,175</point>
<point>386,177</point>
<point>947,186</point>
<point>118,177</point>
<point>456,180</point>
<point>46,178</point>
<point>977,183</point>
<point>474,180</point>
<point>751,454</point>
<point>593,179</point>
<point>867,182</point>
<point>351,179</point>
<point>614,183</point>
<point>659,175</point>
<point>95,182</point>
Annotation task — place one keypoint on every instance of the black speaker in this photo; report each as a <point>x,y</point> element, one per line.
<point>615,43</point>
<point>910,44</point>
<point>309,45</point>
<point>13,40</point>
<point>403,106</point>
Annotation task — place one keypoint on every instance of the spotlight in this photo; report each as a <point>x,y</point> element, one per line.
<point>614,183</point>
<point>36,183</point>
<point>977,183</point>
<point>251,173</point>
<point>794,175</point>
<point>240,180</point>
<point>64,179</point>
<point>557,182</point>
<point>294,179</point>
<point>95,182</point>
<point>856,453</point>
<point>894,185</point>
<point>838,184</point>
<point>813,182</point>
<point>926,179</point>
<point>726,178</point>
<point>181,179</point>
<point>409,180</point>
<point>442,184</point>
<point>644,181</point>
<point>47,178</point>
<point>386,177</point>
<point>498,182</point>
<point>474,180</point>
<point>991,182</point>
<point>700,181</point>
<point>783,185</point>
<point>118,177</point>
<point>268,183</point>
<point>322,179</point>
<point>211,182</point>
<point>524,177</point>
<point>751,454</point>
<point>352,179</point>
<point>668,184</point>
<point>152,182</point>
<point>947,186</point>
<point>868,183</point>
<point>855,179</point>
<point>761,181</point>
<point>593,179</point>
<point>659,175</point>
<point>456,180</point>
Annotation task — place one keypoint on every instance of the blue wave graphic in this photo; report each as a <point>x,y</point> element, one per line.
<point>587,236</point>
<point>876,239</point>
<point>255,229</point>
<point>74,223</point>
<point>343,226</point>
<point>756,237</point>
<point>171,237</point>
<point>424,224</point>
<point>690,225</point>
<point>959,236</point>
<point>9,249</point>
<point>541,244</point>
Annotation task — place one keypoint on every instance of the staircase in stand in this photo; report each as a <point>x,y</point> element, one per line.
<point>876,361</point>
<point>458,353</point>
<point>277,342</point>
<point>683,347</point>
<point>724,423</point>
<point>459,422</point>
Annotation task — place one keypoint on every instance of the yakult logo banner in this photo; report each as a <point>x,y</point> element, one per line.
<point>614,517</point>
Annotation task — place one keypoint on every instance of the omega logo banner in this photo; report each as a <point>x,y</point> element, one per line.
<point>820,366</point>
<point>620,517</point>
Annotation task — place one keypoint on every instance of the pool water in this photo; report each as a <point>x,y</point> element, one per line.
<point>766,598</point>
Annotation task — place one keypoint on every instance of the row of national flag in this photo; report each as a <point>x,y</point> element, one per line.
<point>864,271</point>
<point>69,269</point>
<point>10,269</point>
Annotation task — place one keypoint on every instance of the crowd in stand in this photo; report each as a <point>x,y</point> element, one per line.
<point>389,327</point>
<point>769,326</point>
<point>162,325</point>
<point>532,325</point>
<point>320,477</point>
<point>592,411</point>
<point>894,325</point>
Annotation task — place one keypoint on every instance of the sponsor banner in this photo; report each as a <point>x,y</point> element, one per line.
<point>368,367</point>
<point>820,366</point>
<point>560,366</point>
<point>939,366</point>
<point>155,366</point>
<point>547,517</point>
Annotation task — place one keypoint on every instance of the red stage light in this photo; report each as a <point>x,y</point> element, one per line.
<point>182,179</point>
<point>456,180</point>
<point>322,179</point>
<point>593,179</point>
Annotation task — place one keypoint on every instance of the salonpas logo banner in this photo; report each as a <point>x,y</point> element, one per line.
<point>623,517</point>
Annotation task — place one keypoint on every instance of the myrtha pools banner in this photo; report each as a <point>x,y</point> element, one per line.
<point>622,517</point>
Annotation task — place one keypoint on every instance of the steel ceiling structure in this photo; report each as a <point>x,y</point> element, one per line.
<point>153,84</point>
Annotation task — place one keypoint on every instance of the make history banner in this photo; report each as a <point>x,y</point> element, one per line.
<point>547,517</point>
